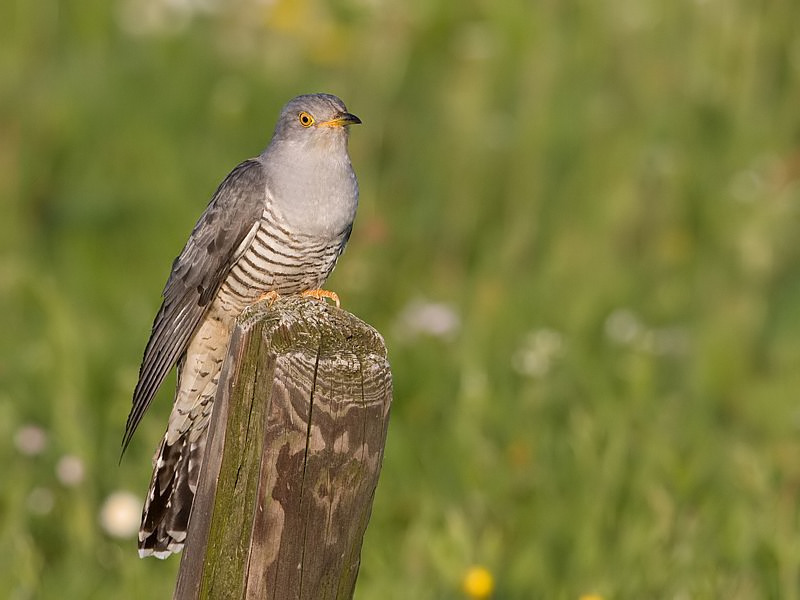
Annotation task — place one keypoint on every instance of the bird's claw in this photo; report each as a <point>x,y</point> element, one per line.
<point>321,295</point>
<point>269,296</point>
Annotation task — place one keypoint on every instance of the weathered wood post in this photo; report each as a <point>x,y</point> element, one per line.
<point>295,449</point>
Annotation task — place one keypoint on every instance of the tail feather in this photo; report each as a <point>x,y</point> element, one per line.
<point>176,469</point>
<point>165,517</point>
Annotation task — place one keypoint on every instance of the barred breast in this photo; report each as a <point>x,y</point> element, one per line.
<point>278,260</point>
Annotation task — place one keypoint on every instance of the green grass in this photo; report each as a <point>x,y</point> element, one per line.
<point>573,167</point>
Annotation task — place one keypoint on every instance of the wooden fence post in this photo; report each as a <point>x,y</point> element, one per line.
<point>296,445</point>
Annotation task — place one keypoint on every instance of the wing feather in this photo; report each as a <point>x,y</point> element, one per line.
<point>217,240</point>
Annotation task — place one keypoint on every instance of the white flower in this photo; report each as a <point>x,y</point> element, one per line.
<point>539,351</point>
<point>421,317</point>
<point>30,440</point>
<point>623,327</point>
<point>70,470</point>
<point>120,514</point>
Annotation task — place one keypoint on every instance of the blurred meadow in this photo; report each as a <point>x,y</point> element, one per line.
<point>578,233</point>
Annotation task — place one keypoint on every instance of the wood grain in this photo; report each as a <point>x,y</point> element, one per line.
<point>296,446</point>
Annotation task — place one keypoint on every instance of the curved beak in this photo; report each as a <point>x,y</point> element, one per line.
<point>342,120</point>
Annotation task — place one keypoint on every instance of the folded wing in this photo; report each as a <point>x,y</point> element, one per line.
<point>218,239</point>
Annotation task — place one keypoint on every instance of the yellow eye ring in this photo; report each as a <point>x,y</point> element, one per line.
<point>306,120</point>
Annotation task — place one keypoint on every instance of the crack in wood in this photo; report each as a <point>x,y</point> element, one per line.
<point>308,391</point>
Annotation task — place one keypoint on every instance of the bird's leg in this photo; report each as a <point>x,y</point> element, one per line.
<point>269,296</point>
<point>320,294</point>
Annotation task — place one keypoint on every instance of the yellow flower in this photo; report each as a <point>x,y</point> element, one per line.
<point>478,582</point>
<point>590,597</point>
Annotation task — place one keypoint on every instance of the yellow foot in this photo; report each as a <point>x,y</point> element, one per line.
<point>320,294</point>
<point>269,296</point>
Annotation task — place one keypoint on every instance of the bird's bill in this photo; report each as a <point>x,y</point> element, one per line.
<point>341,120</point>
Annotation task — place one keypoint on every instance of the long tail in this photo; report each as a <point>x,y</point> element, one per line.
<point>176,468</point>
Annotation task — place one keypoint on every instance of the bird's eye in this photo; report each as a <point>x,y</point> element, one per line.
<point>306,120</point>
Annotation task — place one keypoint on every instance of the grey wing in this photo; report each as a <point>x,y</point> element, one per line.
<point>222,231</point>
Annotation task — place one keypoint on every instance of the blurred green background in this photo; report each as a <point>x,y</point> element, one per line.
<point>578,232</point>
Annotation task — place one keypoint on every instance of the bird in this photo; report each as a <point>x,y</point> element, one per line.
<point>276,225</point>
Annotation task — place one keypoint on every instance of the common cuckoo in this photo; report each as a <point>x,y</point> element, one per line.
<point>276,225</point>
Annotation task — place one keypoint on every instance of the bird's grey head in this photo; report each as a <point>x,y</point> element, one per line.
<point>309,175</point>
<point>314,120</point>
